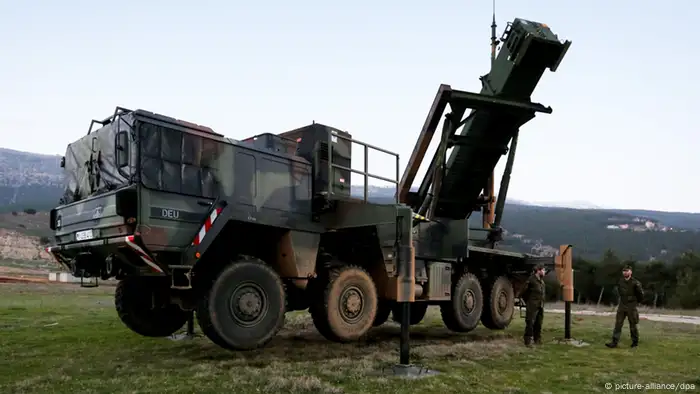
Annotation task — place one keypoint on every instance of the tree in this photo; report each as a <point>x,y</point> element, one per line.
<point>584,280</point>
<point>607,275</point>
<point>675,284</point>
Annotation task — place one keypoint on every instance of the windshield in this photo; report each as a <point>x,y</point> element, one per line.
<point>92,165</point>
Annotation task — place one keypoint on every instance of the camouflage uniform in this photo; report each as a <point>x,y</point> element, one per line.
<point>533,295</point>
<point>631,293</point>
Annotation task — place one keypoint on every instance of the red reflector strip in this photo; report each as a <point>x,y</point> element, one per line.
<point>142,254</point>
<point>207,225</point>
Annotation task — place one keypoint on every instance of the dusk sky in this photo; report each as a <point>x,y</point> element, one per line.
<point>622,134</point>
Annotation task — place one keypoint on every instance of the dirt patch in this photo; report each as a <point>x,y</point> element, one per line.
<point>15,279</point>
<point>22,271</point>
<point>613,308</point>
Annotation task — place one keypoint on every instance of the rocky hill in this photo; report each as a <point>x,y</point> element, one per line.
<point>28,180</point>
<point>31,182</point>
<point>22,240</point>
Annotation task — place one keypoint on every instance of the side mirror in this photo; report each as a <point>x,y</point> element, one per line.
<point>122,149</point>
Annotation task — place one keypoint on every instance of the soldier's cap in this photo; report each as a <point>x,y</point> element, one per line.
<point>539,266</point>
<point>627,268</point>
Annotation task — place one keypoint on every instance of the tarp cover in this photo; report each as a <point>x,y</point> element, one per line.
<point>90,166</point>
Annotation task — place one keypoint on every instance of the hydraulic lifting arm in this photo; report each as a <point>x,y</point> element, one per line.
<point>452,185</point>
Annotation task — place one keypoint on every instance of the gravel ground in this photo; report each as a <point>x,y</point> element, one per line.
<point>643,316</point>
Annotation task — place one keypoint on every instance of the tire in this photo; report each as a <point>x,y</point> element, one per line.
<point>257,315</point>
<point>499,304</point>
<point>463,311</point>
<point>383,312</point>
<point>415,316</point>
<point>132,300</point>
<point>331,315</point>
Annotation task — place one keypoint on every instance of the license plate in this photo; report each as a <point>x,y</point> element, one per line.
<point>84,235</point>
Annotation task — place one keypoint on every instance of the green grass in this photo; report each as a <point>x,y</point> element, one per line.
<point>63,339</point>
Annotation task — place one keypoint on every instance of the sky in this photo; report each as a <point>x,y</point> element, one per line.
<point>621,135</point>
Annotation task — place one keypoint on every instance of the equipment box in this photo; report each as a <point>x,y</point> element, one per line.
<point>313,141</point>
<point>272,142</point>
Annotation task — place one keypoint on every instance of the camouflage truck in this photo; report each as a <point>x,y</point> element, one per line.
<point>242,232</point>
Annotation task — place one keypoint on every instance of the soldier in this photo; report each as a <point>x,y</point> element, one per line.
<point>630,291</point>
<point>533,294</point>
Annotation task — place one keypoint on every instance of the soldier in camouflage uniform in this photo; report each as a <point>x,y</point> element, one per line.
<point>533,295</point>
<point>630,291</point>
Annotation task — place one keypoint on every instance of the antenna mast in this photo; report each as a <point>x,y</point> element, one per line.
<point>494,41</point>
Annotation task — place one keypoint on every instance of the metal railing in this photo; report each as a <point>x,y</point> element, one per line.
<point>365,173</point>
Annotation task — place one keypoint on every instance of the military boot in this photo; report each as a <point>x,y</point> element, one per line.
<point>611,345</point>
<point>528,341</point>
<point>634,344</point>
<point>538,341</point>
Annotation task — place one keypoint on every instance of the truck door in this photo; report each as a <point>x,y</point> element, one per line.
<point>179,178</point>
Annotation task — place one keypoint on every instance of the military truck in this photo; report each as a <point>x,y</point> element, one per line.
<point>241,232</point>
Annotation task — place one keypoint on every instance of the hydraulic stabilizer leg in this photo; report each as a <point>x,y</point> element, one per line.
<point>406,277</point>
<point>405,351</point>
<point>189,334</point>
<point>190,325</point>
<point>406,292</point>
<point>565,275</point>
<point>568,285</point>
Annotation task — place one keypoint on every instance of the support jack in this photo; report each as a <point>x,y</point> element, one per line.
<point>189,334</point>
<point>404,369</point>
<point>567,340</point>
<point>411,371</point>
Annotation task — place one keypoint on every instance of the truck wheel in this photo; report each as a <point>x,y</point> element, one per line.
<point>416,315</point>
<point>462,312</point>
<point>132,299</point>
<point>244,307</point>
<point>348,306</point>
<point>500,304</point>
<point>383,312</point>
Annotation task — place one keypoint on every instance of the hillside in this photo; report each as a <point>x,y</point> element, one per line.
<point>32,181</point>
<point>633,234</point>
<point>635,237</point>
<point>28,180</point>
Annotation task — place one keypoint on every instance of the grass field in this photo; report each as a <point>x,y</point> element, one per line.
<point>64,339</point>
